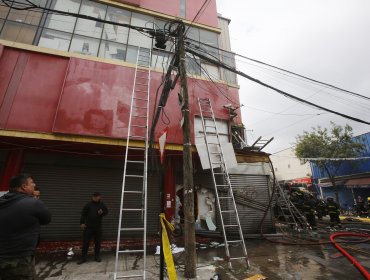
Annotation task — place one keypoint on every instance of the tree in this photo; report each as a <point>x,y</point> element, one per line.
<point>328,148</point>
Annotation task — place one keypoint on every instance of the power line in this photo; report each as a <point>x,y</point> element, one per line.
<point>273,88</point>
<point>284,70</point>
<point>197,16</point>
<point>279,113</point>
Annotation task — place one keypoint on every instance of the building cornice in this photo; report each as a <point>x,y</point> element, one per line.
<point>83,139</point>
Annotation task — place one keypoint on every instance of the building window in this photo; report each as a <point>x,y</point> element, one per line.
<point>229,59</point>
<point>116,33</point>
<point>55,40</point>
<point>193,66</point>
<point>84,45</point>
<point>18,32</point>
<point>112,50</point>
<point>3,12</point>
<point>161,59</point>
<point>88,27</point>
<point>60,22</point>
<point>136,38</point>
<point>20,25</point>
<point>89,37</point>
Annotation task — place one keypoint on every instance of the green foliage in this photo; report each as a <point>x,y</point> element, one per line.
<point>336,144</point>
<point>320,143</point>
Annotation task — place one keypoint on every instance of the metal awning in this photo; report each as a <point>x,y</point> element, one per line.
<point>359,182</point>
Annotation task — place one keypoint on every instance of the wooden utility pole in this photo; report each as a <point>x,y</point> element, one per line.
<point>189,234</point>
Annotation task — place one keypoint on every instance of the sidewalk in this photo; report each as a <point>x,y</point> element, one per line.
<point>271,259</point>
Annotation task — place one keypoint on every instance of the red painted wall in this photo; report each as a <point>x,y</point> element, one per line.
<point>208,16</point>
<point>172,7</point>
<point>46,93</point>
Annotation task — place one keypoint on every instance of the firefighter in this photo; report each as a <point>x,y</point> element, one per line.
<point>308,209</point>
<point>320,209</point>
<point>333,211</point>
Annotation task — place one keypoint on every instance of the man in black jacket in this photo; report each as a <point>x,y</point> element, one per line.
<point>20,218</point>
<point>91,224</point>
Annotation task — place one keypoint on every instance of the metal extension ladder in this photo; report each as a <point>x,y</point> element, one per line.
<point>224,194</point>
<point>133,207</point>
<point>292,216</point>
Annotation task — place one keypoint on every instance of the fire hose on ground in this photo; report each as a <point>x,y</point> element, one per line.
<point>347,255</point>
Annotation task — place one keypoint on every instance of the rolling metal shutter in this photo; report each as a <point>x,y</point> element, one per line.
<point>252,197</point>
<point>66,188</point>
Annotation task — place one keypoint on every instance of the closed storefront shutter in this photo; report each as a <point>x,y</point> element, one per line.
<point>67,183</point>
<point>252,197</point>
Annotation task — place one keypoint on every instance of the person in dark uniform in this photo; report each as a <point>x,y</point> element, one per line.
<point>333,211</point>
<point>321,209</point>
<point>309,210</point>
<point>91,224</point>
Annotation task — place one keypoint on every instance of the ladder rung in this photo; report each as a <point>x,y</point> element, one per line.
<point>227,211</point>
<point>137,192</point>
<point>135,161</point>
<point>137,116</point>
<point>141,91</point>
<point>138,98</point>
<point>140,84</point>
<point>137,136</point>
<point>224,197</point>
<point>234,241</point>
<point>139,107</point>
<point>130,251</point>
<point>132,148</point>
<point>130,276</point>
<point>132,209</point>
<point>222,185</point>
<point>131,229</point>
<point>238,258</point>
<point>218,173</point>
<point>141,126</point>
<point>231,226</point>
<point>134,176</point>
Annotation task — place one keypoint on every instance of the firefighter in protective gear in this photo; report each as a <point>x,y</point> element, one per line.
<point>333,211</point>
<point>308,209</point>
<point>320,209</point>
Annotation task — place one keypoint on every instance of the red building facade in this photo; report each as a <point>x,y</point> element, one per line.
<point>65,93</point>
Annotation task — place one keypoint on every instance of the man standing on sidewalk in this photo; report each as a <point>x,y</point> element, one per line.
<point>20,218</point>
<point>91,224</point>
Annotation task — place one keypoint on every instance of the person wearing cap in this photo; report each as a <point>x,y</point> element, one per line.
<point>20,218</point>
<point>91,223</point>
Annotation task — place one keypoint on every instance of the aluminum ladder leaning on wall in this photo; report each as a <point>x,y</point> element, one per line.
<point>221,180</point>
<point>292,216</point>
<point>133,207</point>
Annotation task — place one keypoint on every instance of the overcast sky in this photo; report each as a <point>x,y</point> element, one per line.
<point>326,40</point>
